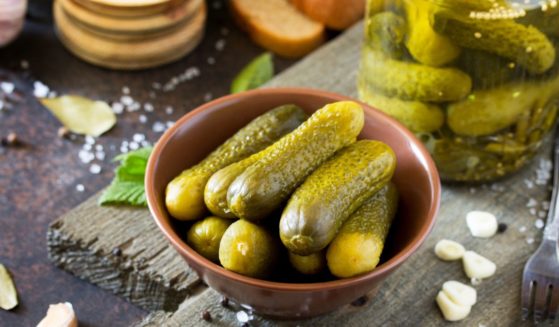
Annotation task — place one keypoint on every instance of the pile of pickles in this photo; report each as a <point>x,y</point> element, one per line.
<point>290,197</point>
<point>476,80</point>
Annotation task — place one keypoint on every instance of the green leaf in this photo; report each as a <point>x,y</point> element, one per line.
<point>128,185</point>
<point>257,72</point>
<point>81,115</point>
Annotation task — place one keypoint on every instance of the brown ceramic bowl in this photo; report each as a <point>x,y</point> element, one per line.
<point>202,130</point>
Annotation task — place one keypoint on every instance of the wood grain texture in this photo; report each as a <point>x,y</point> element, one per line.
<point>407,297</point>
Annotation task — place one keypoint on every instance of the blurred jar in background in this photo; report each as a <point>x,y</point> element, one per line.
<point>12,17</point>
<point>476,80</point>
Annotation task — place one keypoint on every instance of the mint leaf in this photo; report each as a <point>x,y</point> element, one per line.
<point>257,72</point>
<point>128,185</point>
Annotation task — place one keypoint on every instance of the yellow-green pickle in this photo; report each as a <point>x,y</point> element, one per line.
<point>476,80</point>
<point>205,235</point>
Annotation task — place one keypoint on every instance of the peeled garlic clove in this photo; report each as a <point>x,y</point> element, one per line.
<point>8,293</point>
<point>459,293</point>
<point>449,250</point>
<point>481,223</point>
<point>477,266</point>
<point>452,311</point>
<point>59,315</point>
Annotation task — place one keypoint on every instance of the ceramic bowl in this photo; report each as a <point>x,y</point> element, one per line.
<point>199,132</point>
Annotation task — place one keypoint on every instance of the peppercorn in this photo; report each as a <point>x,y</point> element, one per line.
<point>224,301</point>
<point>360,301</point>
<point>501,228</point>
<point>206,315</point>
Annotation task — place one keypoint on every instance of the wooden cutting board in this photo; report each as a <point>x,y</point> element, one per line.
<point>121,250</point>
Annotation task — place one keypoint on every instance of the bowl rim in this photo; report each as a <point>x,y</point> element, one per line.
<point>187,251</point>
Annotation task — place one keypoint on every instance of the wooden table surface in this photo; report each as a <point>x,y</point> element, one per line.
<point>38,180</point>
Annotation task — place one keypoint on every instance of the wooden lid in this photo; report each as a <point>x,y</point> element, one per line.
<point>131,28</point>
<point>136,54</point>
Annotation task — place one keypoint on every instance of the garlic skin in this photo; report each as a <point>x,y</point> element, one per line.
<point>12,17</point>
<point>59,315</point>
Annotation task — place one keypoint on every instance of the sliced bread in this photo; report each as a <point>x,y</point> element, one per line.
<point>335,14</point>
<point>278,26</point>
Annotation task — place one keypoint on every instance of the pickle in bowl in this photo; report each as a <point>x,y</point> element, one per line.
<point>184,196</point>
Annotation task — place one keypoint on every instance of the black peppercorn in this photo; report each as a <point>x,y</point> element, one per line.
<point>117,252</point>
<point>206,315</point>
<point>501,228</point>
<point>224,301</point>
<point>360,301</point>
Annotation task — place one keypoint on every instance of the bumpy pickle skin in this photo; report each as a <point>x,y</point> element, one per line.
<point>357,247</point>
<point>524,45</point>
<point>488,111</point>
<point>264,185</point>
<point>411,81</point>
<point>386,32</point>
<point>311,264</point>
<point>184,195</point>
<point>478,64</point>
<point>215,193</point>
<point>318,208</point>
<point>415,115</point>
<point>424,44</point>
<point>205,235</point>
<point>248,249</point>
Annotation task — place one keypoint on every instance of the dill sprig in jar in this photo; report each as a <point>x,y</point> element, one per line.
<point>476,80</point>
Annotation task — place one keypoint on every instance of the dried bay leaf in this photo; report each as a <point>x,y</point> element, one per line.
<point>81,115</point>
<point>8,293</point>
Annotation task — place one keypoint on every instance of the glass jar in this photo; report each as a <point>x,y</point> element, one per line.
<point>476,80</point>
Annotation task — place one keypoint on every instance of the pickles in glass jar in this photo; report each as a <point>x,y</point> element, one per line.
<point>476,80</point>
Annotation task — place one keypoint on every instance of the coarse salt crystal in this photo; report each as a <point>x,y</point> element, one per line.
<point>522,229</point>
<point>220,45</point>
<point>95,169</point>
<point>539,224</point>
<point>99,155</point>
<point>475,281</point>
<point>138,137</point>
<point>533,211</point>
<point>545,205</point>
<point>158,127</point>
<point>148,107</point>
<point>207,97</point>
<point>80,188</point>
<point>125,90</point>
<point>143,119</point>
<point>211,60</point>
<point>542,214</point>
<point>24,64</point>
<point>40,90</point>
<point>532,203</point>
<point>117,107</point>
<point>242,316</point>
<point>126,100</point>
<point>98,147</point>
<point>7,87</point>
<point>145,144</point>
<point>89,139</point>
<point>530,240</point>
<point>169,110</point>
<point>134,146</point>
<point>169,124</point>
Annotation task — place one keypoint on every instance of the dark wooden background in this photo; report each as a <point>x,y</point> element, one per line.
<point>38,180</point>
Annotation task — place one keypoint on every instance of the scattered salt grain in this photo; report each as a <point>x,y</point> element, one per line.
<point>100,155</point>
<point>99,147</point>
<point>80,188</point>
<point>95,169</point>
<point>211,60</point>
<point>126,100</point>
<point>539,224</point>
<point>138,137</point>
<point>207,97</point>
<point>87,147</point>
<point>145,144</point>
<point>532,203</point>
<point>85,156</point>
<point>220,45</point>
<point>529,183</point>
<point>156,85</point>
<point>242,316</point>
<point>117,107</point>
<point>522,229</point>
<point>7,87</point>
<point>134,146</point>
<point>24,64</point>
<point>158,127</point>
<point>169,124</point>
<point>542,214</point>
<point>143,119</point>
<point>530,240</point>
<point>125,90</point>
<point>89,139</point>
<point>148,107</point>
<point>40,90</point>
<point>545,205</point>
<point>169,110</point>
<point>533,211</point>
<point>473,190</point>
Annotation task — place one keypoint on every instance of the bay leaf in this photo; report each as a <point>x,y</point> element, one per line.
<point>257,72</point>
<point>8,293</point>
<point>81,115</point>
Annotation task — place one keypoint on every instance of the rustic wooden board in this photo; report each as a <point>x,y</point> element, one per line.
<point>82,241</point>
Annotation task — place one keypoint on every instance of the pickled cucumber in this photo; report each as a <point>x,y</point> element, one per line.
<point>386,33</point>
<point>318,208</point>
<point>248,249</point>
<point>489,111</point>
<point>205,235</point>
<point>263,186</point>
<point>410,81</point>
<point>486,69</point>
<point>465,7</point>
<point>424,44</point>
<point>356,249</point>
<point>415,115</point>
<point>184,196</point>
<point>311,264</point>
<point>377,6</point>
<point>525,45</point>
<point>215,193</point>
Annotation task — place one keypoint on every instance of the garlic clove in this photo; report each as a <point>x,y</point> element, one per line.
<point>476,266</point>
<point>459,293</point>
<point>449,250</point>
<point>59,315</point>
<point>450,310</point>
<point>481,223</point>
